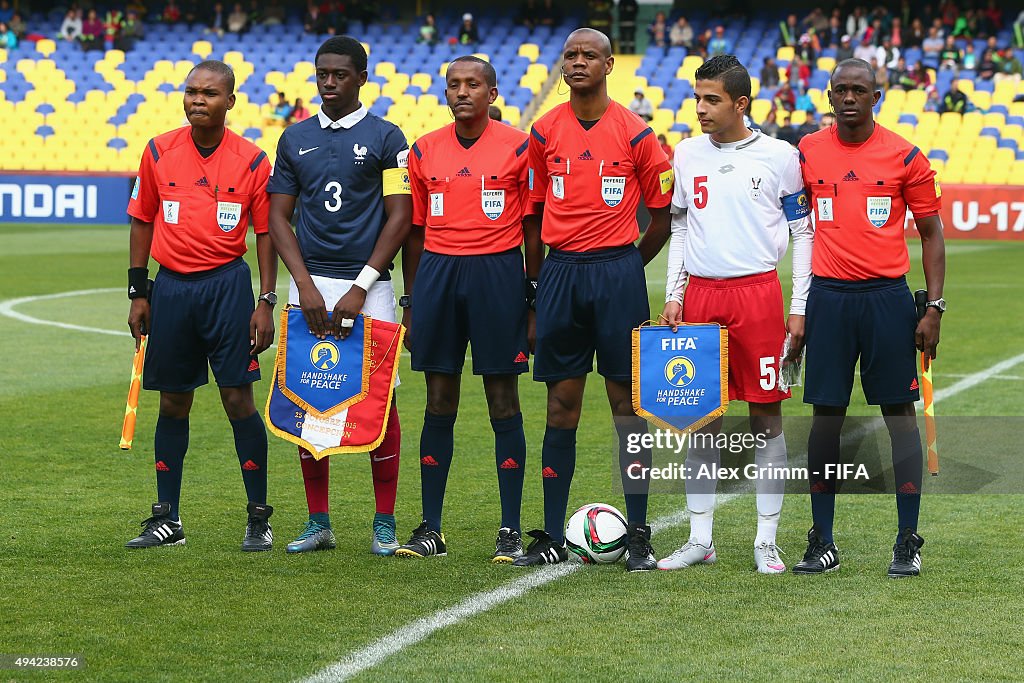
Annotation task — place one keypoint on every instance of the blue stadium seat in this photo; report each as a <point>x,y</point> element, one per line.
<point>45,108</point>
<point>252,133</point>
<point>45,131</point>
<point>981,85</point>
<point>1015,120</point>
<point>117,143</point>
<point>990,131</point>
<point>680,128</point>
<point>939,154</point>
<point>1019,156</point>
<point>998,109</point>
<point>1007,143</point>
<point>908,118</point>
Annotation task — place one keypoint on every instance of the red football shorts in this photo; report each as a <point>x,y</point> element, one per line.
<point>750,308</point>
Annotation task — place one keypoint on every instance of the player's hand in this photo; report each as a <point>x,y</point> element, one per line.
<point>314,310</point>
<point>138,320</point>
<point>795,327</point>
<point>347,308</point>
<point>531,330</point>
<point>927,335</point>
<point>261,329</point>
<point>407,322</point>
<point>671,315</point>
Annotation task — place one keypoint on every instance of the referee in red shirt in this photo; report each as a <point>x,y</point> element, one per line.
<point>862,179</point>
<point>591,161</point>
<point>465,257</point>
<point>197,191</point>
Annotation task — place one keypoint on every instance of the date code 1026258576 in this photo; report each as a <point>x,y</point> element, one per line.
<point>41,661</point>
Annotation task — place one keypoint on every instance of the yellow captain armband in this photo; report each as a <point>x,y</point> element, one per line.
<point>396,181</point>
<point>667,179</point>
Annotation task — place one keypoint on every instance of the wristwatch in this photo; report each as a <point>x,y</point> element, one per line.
<point>405,301</point>
<point>269,297</point>
<point>938,304</point>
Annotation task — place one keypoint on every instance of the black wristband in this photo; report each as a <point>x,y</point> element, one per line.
<point>138,283</point>
<point>531,293</point>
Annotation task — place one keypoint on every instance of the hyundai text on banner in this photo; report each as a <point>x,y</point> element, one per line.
<point>63,198</point>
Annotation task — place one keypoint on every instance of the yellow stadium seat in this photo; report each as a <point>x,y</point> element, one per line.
<point>798,118</point>
<point>1013,132</point>
<point>202,48</point>
<point>784,54</point>
<point>422,80</point>
<point>384,69</point>
<point>966,86</point>
<point>529,50</point>
<point>759,110</point>
<point>826,63</point>
<point>914,100</point>
<point>114,57</point>
<point>995,119</point>
<point>981,100</point>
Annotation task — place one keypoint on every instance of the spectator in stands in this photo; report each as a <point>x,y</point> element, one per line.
<point>628,11</point>
<point>468,34</point>
<point>799,74</point>
<point>428,31</point>
<point>857,23</point>
<point>494,113</point>
<point>785,98</point>
<point>881,72</point>
<point>955,100</point>
<point>527,15</point>
<point>18,25</point>
<point>599,16</point>
<point>789,32</point>
<point>665,147</point>
<point>932,103</point>
<point>922,79</point>
<point>815,20</point>
<point>217,20</point>
<point>810,125</point>
<point>987,66</point>
<point>254,13</point>
<point>337,21</point>
<point>281,112</point>
<point>71,27</point>
<point>966,25</point>
<point>948,13</point>
<point>888,54</point>
<point>719,45</point>
<point>970,58</point>
<point>786,131</point>
<point>827,120</point>
<point>865,50</point>
<point>113,21</point>
<point>1009,66</point>
<point>933,44</point>
<point>5,11</point>
<point>770,127</point>
<point>657,32</point>
<point>299,112</point>
<point>8,39</point>
<point>549,14</point>
<point>896,32</point>
<point>274,14</point>
<point>808,48</point>
<point>681,34</point>
<point>992,19</point>
<point>238,20</point>
<point>769,73</point>
<point>900,76</point>
<point>314,21</point>
<point>915,35</point>
<point>641,106</point>
<point>92,32</point>
<point>950,57</point>
<point>833,34</point>
<point>845,49</point>
<point>132,31</point>
<point>171,13</point>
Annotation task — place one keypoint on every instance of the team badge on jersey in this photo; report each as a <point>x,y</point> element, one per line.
<point>755,188</point>
<point>436,203</point>
<point>825,209</point>
<point>228,215</point>
<point>558,187</point>
<point>171,210</point>
<point>879,209</point>
<point>493,203</point>
<point>612,189</point>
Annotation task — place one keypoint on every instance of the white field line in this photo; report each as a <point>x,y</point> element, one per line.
<point>369,656</point>
<point>7,308</point>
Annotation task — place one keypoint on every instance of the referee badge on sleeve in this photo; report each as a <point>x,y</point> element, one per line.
<point>228,215</point>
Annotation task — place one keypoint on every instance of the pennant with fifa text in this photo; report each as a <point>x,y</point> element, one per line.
<point>331,395</point>
<point>681,379</point>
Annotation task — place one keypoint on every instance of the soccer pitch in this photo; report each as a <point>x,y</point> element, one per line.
<point>69,499</point>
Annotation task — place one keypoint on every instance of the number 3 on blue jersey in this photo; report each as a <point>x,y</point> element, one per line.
<point>334,188</point>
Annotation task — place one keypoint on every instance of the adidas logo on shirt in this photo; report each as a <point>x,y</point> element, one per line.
<point>586,156</point>
<point>851,176</point>
<point>464,173</point>
<point>203,182</point>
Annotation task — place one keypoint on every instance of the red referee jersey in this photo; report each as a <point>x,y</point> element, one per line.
<point>200,208</point>
<point>860,194</point>
<point>470,201</point>
<point>591,181</point>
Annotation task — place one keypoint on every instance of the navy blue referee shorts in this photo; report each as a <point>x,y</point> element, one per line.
<point>589,302</point>
<point>197,319</point>
<point>479,300</point>
<point>870,320</point>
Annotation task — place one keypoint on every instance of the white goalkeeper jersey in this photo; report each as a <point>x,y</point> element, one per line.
<point>734,207</point>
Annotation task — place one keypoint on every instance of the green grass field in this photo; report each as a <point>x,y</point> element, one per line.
<point>69,499</point>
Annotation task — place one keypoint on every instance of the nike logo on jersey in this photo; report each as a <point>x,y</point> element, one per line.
<point>383,458</point>
<point>307,151</point>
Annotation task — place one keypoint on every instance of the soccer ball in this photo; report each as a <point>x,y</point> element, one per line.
<point>596,533</point>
